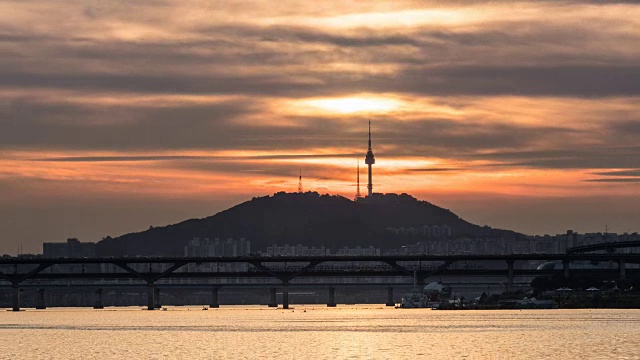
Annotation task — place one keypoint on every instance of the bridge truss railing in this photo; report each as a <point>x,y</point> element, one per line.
<point>151,270</point>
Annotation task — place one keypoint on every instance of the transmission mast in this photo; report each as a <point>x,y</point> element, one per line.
<point>358,196</point>
<point>300,182</point>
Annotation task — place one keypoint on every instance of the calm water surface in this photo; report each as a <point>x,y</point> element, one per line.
<point>315,332</point>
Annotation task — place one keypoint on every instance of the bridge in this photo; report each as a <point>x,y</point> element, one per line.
<point>608,246</point>
<point>281,271</point>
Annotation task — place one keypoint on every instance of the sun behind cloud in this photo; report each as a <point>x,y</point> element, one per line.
<point>355,104</point>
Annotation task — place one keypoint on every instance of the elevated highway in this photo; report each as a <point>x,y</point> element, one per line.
<point>607,246</point>
<point>286,271</point>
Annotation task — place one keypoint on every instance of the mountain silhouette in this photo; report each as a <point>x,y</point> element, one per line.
<point>307,218</point>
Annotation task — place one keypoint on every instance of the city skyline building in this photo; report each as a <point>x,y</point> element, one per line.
<point>370,160</point>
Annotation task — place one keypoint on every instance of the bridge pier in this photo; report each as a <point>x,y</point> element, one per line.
<point>16,297</point>
<point>215,303</point>
<point>273,302</point>
<point>621,267</point>
<point>156,298</point>
<point>40,303</point>
<point>285,296</point>
<point>332,297</point>
<point>510,276</point>
<point>565,267</point>
<point>98,300</point>
<point>390,301</point>
<point>151,291</point>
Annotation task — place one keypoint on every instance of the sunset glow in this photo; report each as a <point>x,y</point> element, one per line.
<point>351,105</point>
<point>182,110</point>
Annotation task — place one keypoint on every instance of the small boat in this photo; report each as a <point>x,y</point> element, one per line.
<point>431,296</point>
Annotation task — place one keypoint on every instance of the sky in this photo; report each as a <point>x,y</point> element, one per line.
<point>120,115</point>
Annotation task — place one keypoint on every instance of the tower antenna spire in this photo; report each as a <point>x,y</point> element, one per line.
<point>369,133</point>
<point>300,182</point>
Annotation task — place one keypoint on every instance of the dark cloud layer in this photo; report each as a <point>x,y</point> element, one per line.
<point>564,81</point>
<point>220,127</point>
<point>186,157</point>
<point>576,80</point>
<point>618,180</point>
<point>588,158</point>
<point>526,57</point>
<point>634,172</point>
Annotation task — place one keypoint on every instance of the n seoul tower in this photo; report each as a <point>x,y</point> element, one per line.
<point>370,160</point>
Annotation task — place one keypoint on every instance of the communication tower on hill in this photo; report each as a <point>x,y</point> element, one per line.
<point>370,160</point>
<point>300,182</point>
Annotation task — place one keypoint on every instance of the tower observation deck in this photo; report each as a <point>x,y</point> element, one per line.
<point>370,160</point>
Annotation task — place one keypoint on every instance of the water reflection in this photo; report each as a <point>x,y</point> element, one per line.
<point>320,333</point>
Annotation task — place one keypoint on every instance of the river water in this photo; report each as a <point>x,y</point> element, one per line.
<point>316,332</point>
